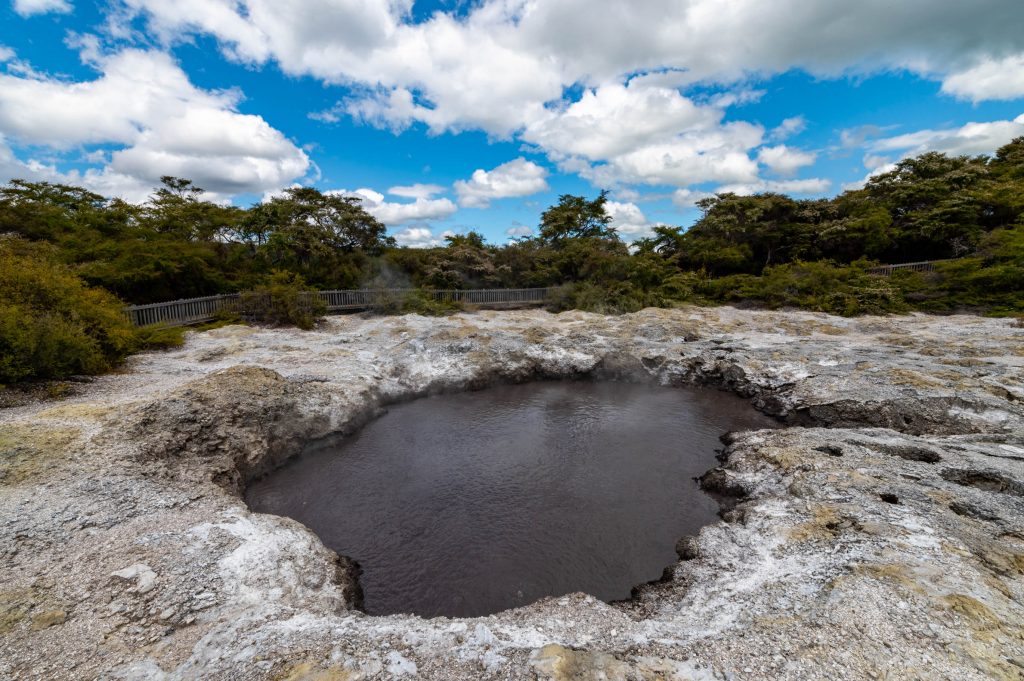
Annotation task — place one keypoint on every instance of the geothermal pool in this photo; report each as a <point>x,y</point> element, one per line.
<point>471,503</point>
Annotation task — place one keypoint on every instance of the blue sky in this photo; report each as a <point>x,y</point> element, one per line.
<point>449,116</point>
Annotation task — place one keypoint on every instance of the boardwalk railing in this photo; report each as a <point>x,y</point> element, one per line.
<point>923,266</point>
<point>181,312</point>
<point>199,310</point>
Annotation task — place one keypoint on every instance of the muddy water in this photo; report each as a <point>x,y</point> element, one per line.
<point>472,503</point>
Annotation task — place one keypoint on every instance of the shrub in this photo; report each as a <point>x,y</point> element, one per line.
<point>424,303</point>
<point>824,287</point>
<point>51,323</point>
<point>284,301</point>
<point>616,297</point>
<point>392,302</point>
<point>160,337</point>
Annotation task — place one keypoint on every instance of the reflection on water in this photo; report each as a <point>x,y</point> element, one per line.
<point>476,502</point>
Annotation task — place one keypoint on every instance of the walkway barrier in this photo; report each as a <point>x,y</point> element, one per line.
<point>205,309</point>
<point>923,266</point>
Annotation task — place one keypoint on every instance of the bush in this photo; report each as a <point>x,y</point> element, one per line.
<point>284,301</point>
<point>392,302</point>
<point>820,286</point>
<point>617,297</point>
<point>51,323</point>
<point>160,337</point>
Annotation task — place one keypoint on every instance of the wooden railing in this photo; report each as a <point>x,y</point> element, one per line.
<point>923,266</point>
<point>199,310</point>
<point>181,312</point>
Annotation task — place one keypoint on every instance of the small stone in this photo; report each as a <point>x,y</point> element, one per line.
<point>141,574</point>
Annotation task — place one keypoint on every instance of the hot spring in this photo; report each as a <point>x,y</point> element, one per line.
<point>471,503</point>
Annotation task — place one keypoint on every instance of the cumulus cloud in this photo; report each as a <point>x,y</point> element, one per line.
<point>505,66</point>
<point>497,66</point>
<point>518,177</point>
<point>160,123</point>
<point>970,139</point>
<point>719,154</point>
<point>785,160</point>
<point>27,8</point>
<point>688,198</point>
<point>416,191</point>
<point>813,185</point>
<point>628,219</point>
<point>392,213</point>
<point>988,79</point>
<point>519,230</point>
<point>613,119</point>
<point>420,237</point>
<point>787,128</point>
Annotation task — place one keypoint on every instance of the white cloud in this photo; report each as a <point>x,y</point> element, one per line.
<point>970,139</point>
<point>519,230</point>
<point>163,125</point>
<point>416,191</point>
<point>27,8</point>
<point>989,79</point>
<point>787,128</point>
<point>6,54</point>
<point>719,154</point>
<point>645,133</point>
<point>874,161</point>
<point>628,219</point>
<point>813,185</point>
<point>850,138</point>
<point>688,198</point>
<point>737,97</point>
<point>614,119</point>
<point>420,237</point>
<point>518,177</point>
<point>504,67</point>
<point>392,214</point>
<point>785,160</point>
<point>497,66</point>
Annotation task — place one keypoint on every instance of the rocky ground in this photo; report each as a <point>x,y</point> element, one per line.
<point>880,537</point>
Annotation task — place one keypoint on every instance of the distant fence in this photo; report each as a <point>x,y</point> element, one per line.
<point>199,310</point>
<point>923,266</point>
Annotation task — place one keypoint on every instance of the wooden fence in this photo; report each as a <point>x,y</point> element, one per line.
<point>923,266</point>
<point>199,310</point>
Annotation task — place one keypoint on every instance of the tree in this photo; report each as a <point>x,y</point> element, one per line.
<point>465,262</point>
<point>324,237</point>
<point>337,221</point>
<point>177,209</point>
<point>573,217</point>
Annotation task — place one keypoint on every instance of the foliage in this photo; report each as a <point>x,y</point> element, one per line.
<point>415,301</point>
<point>819,286</point>
<point>78,247</point>
<point>160,337</point>
<point>284,300</point>
<point>53,325</point>
<point>573,217</point>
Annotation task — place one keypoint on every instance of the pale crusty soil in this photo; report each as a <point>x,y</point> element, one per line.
<point>881,537</point>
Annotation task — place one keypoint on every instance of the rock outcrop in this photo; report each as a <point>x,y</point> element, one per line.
<point>878,537</point>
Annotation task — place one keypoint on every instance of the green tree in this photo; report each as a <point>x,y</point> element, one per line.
<point>465,262</point>
<point>574,217</point>
<point>323,237</point>
<point>178,209</point>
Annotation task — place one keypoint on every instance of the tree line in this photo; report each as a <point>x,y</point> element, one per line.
<point>767,249</point>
